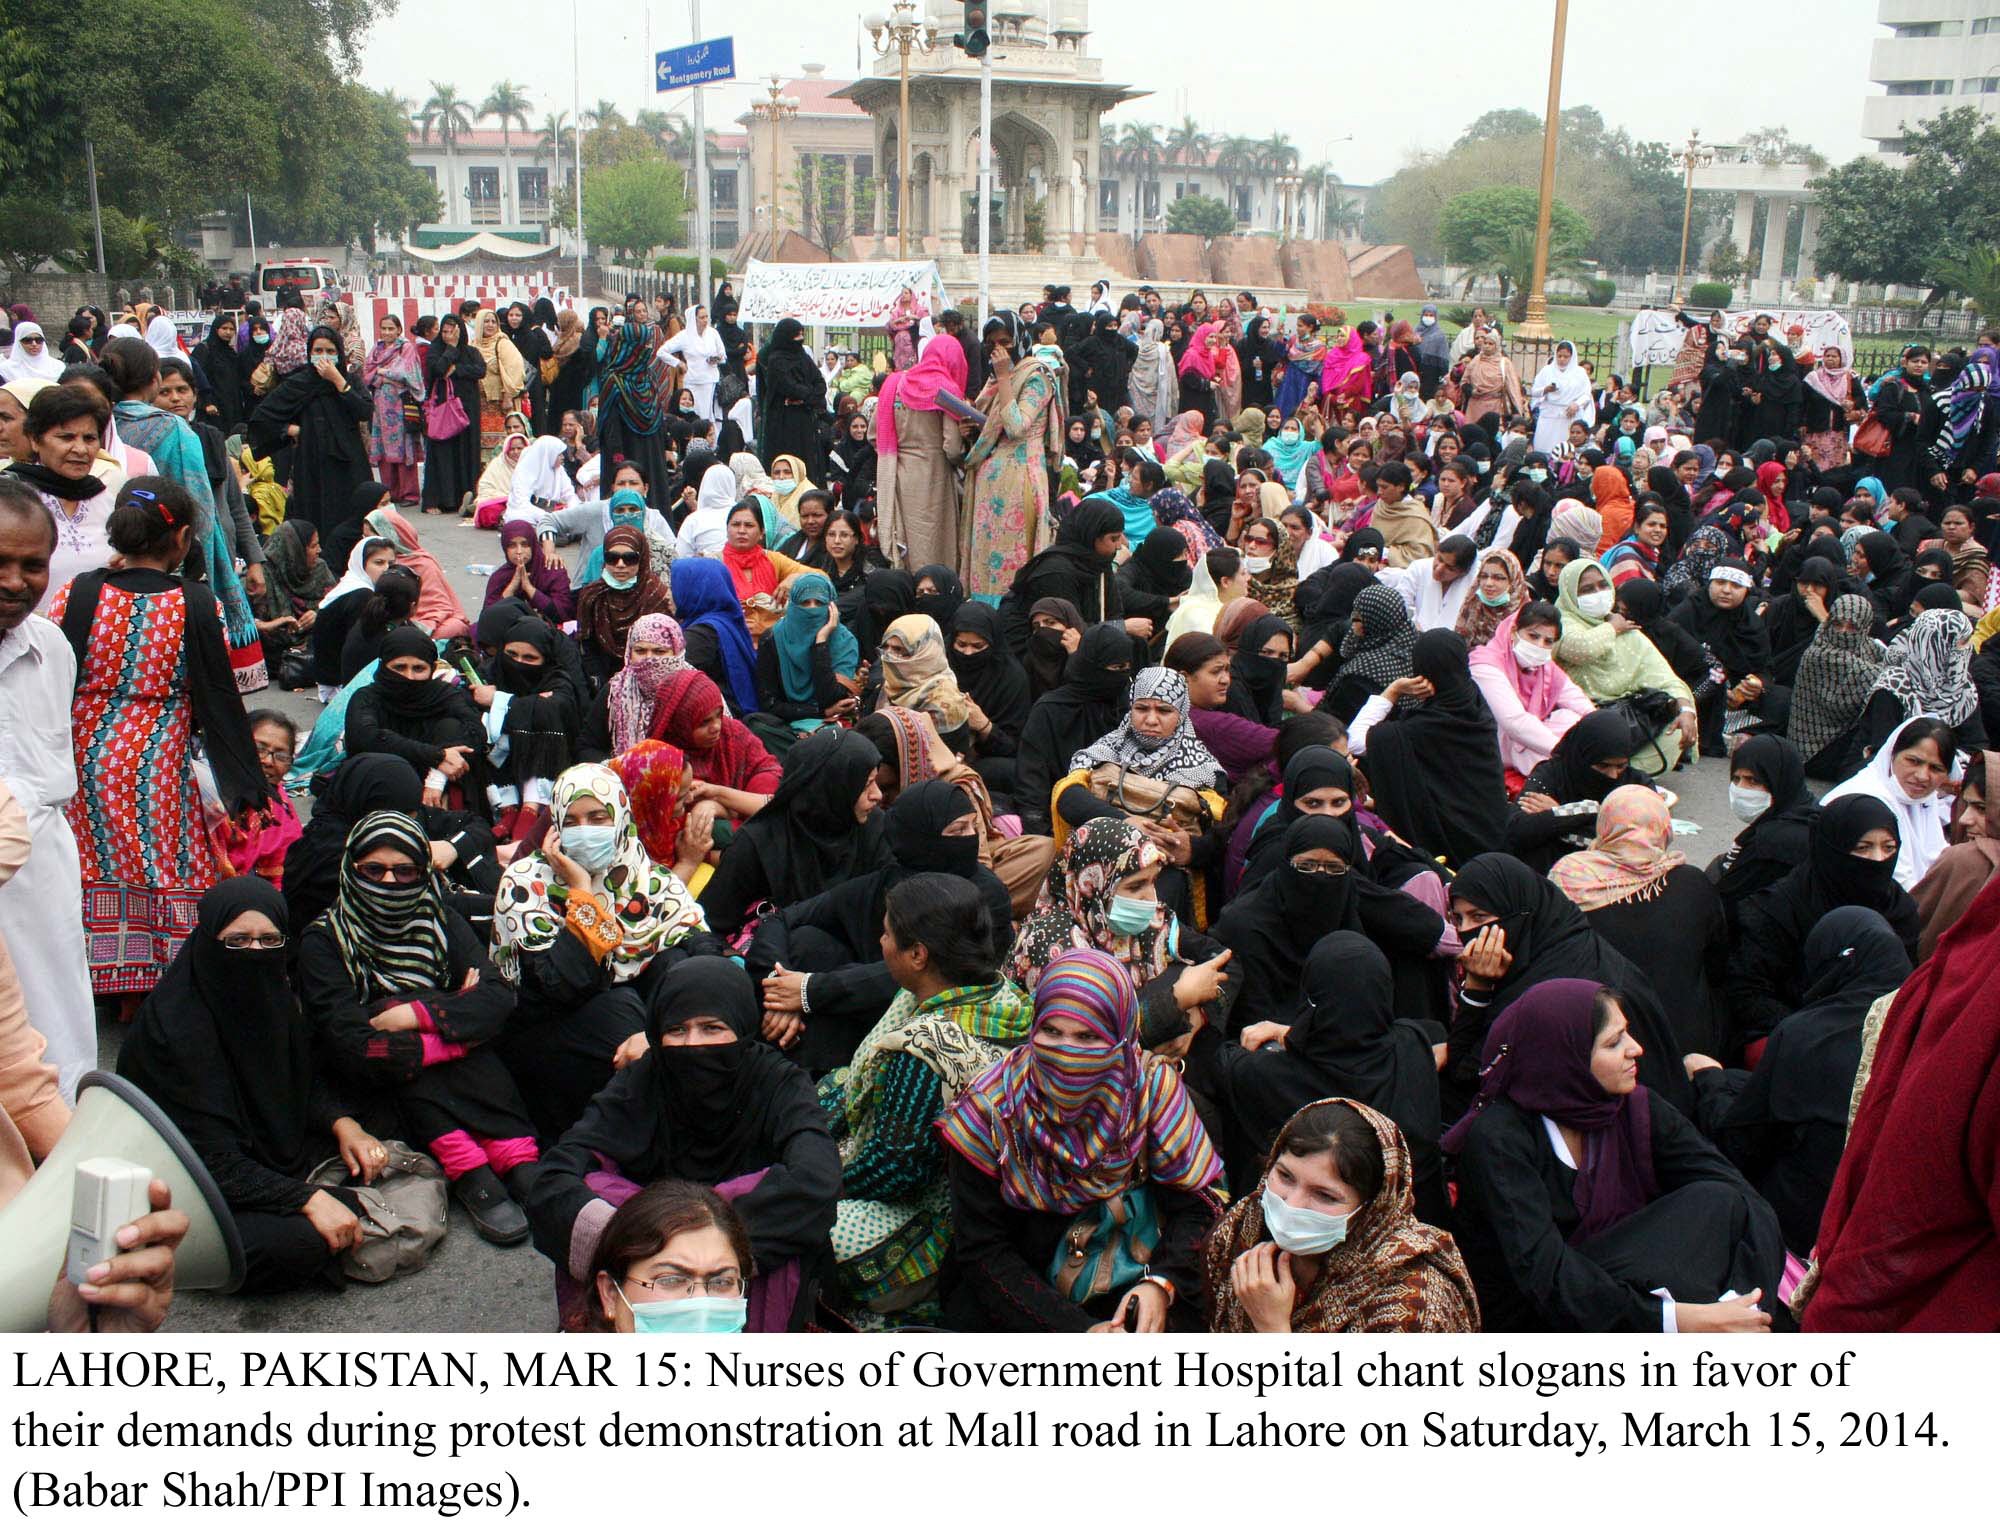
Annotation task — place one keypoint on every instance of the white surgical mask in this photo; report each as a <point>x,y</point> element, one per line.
<point>1299,1229</point>
<point>1597,603</point>
<point>1256,565</point>
<point>1537,475</point>
<point>1530,655</point>
<point>1748,803</point>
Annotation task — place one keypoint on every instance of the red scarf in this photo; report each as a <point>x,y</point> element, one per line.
<point>750,568</point>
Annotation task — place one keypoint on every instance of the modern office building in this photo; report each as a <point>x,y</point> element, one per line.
<point>1939,54</point>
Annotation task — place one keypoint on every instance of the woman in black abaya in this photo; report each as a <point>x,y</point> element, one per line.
<point>221,1047</point>
<point>821,827</point>
<point>318,411</point>
<point>1087,705</point>
<point>791,393</point>
<point>1785,1125</point>
<point>1589,763</point>
<point>1536,934</point>
<point>1434,766</point>
<point>1341,1037</point>
<point>707,1102</point>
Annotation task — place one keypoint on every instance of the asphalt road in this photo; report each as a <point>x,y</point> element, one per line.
<point>470,1286</point>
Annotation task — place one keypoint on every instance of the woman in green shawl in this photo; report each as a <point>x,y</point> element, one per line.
<point>1611,659</point>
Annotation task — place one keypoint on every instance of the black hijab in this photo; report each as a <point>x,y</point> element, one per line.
<point>1159,565</point>
<point>942,606</point>
<point>1549,937</point>
<point>1271,926</point>
<point>1311,769</point>
<point>1567,774</point>
<point>1047,660</point>
<point>307,400</point>
<point>1090,702</point>
<point>1074,553</point>
<point>360,785</point>
<point>1434,767</point>
<point>714,1102</point>
<point>916,824</point>
<point>220,1044</point>
<point>401,697</point>
<point>1737,637</point>
<point>1645,604</point>
<point>1257,683</point>
<point>1780,837</point>
<point>994,678</point>
<point>806,837</point>
<point>1856,958</point>
<point>1890,581</point>
<point>886,594</point>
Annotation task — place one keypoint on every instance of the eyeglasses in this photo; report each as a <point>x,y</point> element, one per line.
<point>275,756</point>
<point>1258,541</point>
<point>1318,869</point>
<point>31,339</point>
<point>623,560</point>
<point>272,942</point>
<point>724,1283</point>
<point>388,876</point>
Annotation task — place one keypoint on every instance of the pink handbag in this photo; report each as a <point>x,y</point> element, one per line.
<point>444,414</point>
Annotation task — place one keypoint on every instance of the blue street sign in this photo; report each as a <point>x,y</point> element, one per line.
<point>699,63</point>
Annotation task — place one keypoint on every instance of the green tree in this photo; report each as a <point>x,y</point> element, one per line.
<point>605,114</point>
<point>632,206</point>
<point>1475,225</point>
<point>1501,122</point>
<point>33,232</point>
<point>1141,151</point>
<point>1186,143</point>
<point>363,183</point>
<point>507,104</point>
<point>448,115</point>
<point>1725,262</point>
<point>1975,276</point>
<point>1206,216</point>
<point>1907,223</point>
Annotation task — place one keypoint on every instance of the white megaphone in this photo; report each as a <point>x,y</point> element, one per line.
<point>113,1119</point>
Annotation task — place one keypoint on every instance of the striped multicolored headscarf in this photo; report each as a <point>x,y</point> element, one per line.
<point>391,936</point>
<point>1062,1125</point>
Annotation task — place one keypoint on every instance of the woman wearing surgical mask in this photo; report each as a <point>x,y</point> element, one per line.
<point>403,1000</point>
<point>1331,1242</point>
<point>673,1259</point>
<point>577,922</point>
<point>1607,655</point>
<point>699,1098</point>
<point>1048,1136</point>
<point>1768,793</point>
<point>1533,702</point>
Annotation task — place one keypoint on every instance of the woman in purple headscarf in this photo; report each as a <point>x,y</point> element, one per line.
<point>1589,1204</point>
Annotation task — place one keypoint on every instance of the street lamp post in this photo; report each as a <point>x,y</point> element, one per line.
<point>1695,155</point>
<point>906,31</point>
<point>1535,327</point>
<point>774,106</point>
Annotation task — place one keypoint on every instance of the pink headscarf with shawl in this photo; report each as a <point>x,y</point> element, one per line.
<point>1537,688</point>
<point>1343,366</point>
<point>1198,358</point>
<point>942,365</point>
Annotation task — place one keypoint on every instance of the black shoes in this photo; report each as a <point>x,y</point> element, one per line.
<point>495,1216</point>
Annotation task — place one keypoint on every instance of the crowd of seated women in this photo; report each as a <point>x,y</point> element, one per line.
<point>1273,926</point>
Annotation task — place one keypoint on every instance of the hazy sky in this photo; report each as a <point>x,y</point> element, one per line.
<point>1406,77</point>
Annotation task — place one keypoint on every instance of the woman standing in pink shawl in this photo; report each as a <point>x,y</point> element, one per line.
<point>1201,365</point>
<point>917,451</point>
<point>1346,376</point>
<point>394,372</point>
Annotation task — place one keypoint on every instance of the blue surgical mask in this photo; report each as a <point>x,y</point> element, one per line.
<point>693,1314</point>
<point>619,581</point>
<point>593,846</point>
<point>1299,1229</point>
<point>1132,916</point>
<point>1505,597</point>
<point>1537,475</point>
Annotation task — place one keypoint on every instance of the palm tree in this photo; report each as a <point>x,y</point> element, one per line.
<point>448,114</point>
<point>604,115</point>
<point>665,129</point>
<point>1510,257</point>
<point>556,135</point>
<point>507,103</point>
<point>1975,276</point>
<point>1140,151</point>
<point>1187,142</point>
<point>1235,158</point>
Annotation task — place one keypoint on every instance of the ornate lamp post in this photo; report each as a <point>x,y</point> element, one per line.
<point>1694,155</point>
<point>774,106</point>
<point>1535,327</point>
<point>906,32</point>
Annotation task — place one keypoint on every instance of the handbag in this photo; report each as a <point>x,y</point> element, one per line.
<point>1108,1247</point>
<point>413,413</point>
<point>549,369</point>
<point>444,414</point>
<point>402,1214</point>
<point>1872,438</point>
<point>1139,796</point>
<point>1647,713</point>
<point>261,377</point>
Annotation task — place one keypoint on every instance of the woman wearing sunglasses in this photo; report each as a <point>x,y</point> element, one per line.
<point>404,996</point>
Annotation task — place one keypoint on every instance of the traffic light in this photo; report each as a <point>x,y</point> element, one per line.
<point>973,40</point>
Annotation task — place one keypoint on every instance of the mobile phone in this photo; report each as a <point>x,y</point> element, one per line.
<point>471,675</point>
<point>109,1193</point>
<point>1132,1311</point>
